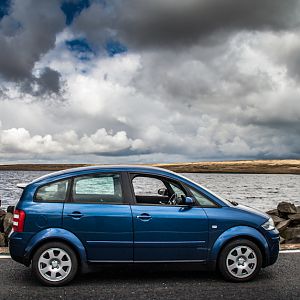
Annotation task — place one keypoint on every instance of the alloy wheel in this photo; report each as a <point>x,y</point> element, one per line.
<point>54,264</point>
<point>241,261</point>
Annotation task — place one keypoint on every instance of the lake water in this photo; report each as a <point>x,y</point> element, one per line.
<point>257,190</point>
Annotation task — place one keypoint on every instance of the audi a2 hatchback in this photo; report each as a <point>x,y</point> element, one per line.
<point>68,221</point>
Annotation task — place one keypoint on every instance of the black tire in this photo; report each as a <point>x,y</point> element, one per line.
<point>253,263</point>
<point>67,265</point>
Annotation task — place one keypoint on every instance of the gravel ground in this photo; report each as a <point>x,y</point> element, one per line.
<point>280,281</point>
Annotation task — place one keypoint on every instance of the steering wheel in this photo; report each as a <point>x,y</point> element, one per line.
<point>173,200</point>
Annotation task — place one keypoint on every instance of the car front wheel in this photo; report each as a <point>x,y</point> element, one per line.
<point>54,264</point>
<point>240,261</point>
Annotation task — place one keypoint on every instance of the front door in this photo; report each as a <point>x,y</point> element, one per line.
<point>99,216</point>
<point>166,230</point>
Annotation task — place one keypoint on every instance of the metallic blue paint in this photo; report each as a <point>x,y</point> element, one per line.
<point>173,233</point>
<point>28,245</point>
<point>105,230</point>
<point>234,232</point>
<point>138,233</point>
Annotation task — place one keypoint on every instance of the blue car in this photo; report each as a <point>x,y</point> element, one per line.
<point>71,220</point>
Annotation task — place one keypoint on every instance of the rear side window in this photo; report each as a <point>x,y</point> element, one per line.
<point>53,192</point>
<point>104,188</point>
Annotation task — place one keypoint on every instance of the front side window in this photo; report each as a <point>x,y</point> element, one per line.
<point>157,191</point>
<point>147,186</point>
<point>103,188</point>
<point>53,192</point>
<point>202,200</point>
<point>177,189</point>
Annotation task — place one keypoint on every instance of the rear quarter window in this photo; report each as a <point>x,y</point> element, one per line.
<point>53,192</point>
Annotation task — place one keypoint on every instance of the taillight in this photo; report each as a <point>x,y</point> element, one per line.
<point>18,220</point>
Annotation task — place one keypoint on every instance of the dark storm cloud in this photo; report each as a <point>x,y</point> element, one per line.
<point>164,79</point>
<point>28,32</point>
<point>49,82</point>
<point>167,23</point>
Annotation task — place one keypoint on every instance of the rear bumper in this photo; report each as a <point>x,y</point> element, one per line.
<point>17,246</point>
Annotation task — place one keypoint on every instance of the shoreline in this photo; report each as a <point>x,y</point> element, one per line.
<point>287,166</point>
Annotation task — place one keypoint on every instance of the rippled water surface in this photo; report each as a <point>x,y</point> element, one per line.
<point>256,190</point>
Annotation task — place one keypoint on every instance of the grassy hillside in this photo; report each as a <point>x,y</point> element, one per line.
<point>245,166</point>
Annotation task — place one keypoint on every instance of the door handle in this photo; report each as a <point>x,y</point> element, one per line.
<point>144,217</point>
<point>76,214</point>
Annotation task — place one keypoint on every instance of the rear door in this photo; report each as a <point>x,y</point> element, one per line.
<point>166,232</point>
<point>99,215</point>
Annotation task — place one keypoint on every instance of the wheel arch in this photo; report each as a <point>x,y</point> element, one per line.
<point>57,235</point>
<point>244,232</point>
<point>246,237</point>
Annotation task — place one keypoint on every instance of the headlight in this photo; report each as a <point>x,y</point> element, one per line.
<point>269,225</point>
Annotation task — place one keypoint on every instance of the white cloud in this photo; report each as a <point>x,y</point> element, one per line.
<point>235,99</point>
<point>20,141</point>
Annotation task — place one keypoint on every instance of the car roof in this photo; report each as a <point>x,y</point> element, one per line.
<point>119,168</point>
<point>123,168</point>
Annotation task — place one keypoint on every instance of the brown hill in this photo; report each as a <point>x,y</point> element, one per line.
<point>244,166</point>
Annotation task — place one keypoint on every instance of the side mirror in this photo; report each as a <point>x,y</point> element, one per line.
<point>162,192</point>
<point>189,201</point>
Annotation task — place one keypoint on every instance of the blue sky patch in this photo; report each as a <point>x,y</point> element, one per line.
<point>73,9</point>
<point>81,48</point>
<point>115,47</point>
<point>4,8</point>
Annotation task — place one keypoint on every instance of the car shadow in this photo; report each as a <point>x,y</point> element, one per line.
<point>148,273</point>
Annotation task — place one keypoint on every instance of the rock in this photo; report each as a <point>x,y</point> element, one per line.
<point>2,240</point>
<point>1,222</point>
<point>291,233</point>
<point>295,240</point>
<point>10,209</point>
<point>282,240</point>
<point>272,212</point>
<point>283,225</point>
<point>7,223</point>
<point>298,209</point>
<point>277,219</point>
<point>295,218</point>
<point>286,208</point>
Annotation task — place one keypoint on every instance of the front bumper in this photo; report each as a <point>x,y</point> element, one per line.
<point>273,240</point>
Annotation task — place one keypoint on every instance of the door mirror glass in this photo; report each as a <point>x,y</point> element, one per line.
<point>189,201</point>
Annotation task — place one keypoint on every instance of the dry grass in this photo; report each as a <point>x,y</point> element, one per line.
<point>243,166</point>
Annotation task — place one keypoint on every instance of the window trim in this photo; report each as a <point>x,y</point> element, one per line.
<point>49,183</point>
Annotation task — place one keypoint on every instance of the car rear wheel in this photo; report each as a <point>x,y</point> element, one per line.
<point>54,264</point>
<point>240,261</point>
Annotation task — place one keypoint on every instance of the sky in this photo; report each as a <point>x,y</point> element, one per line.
<point>139,81</point>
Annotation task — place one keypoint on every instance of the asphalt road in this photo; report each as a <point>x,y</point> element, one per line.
<point>280,281</point>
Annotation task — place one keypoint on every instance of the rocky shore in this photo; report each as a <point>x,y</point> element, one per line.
<point>287,220</point>
<point>6,223</point>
